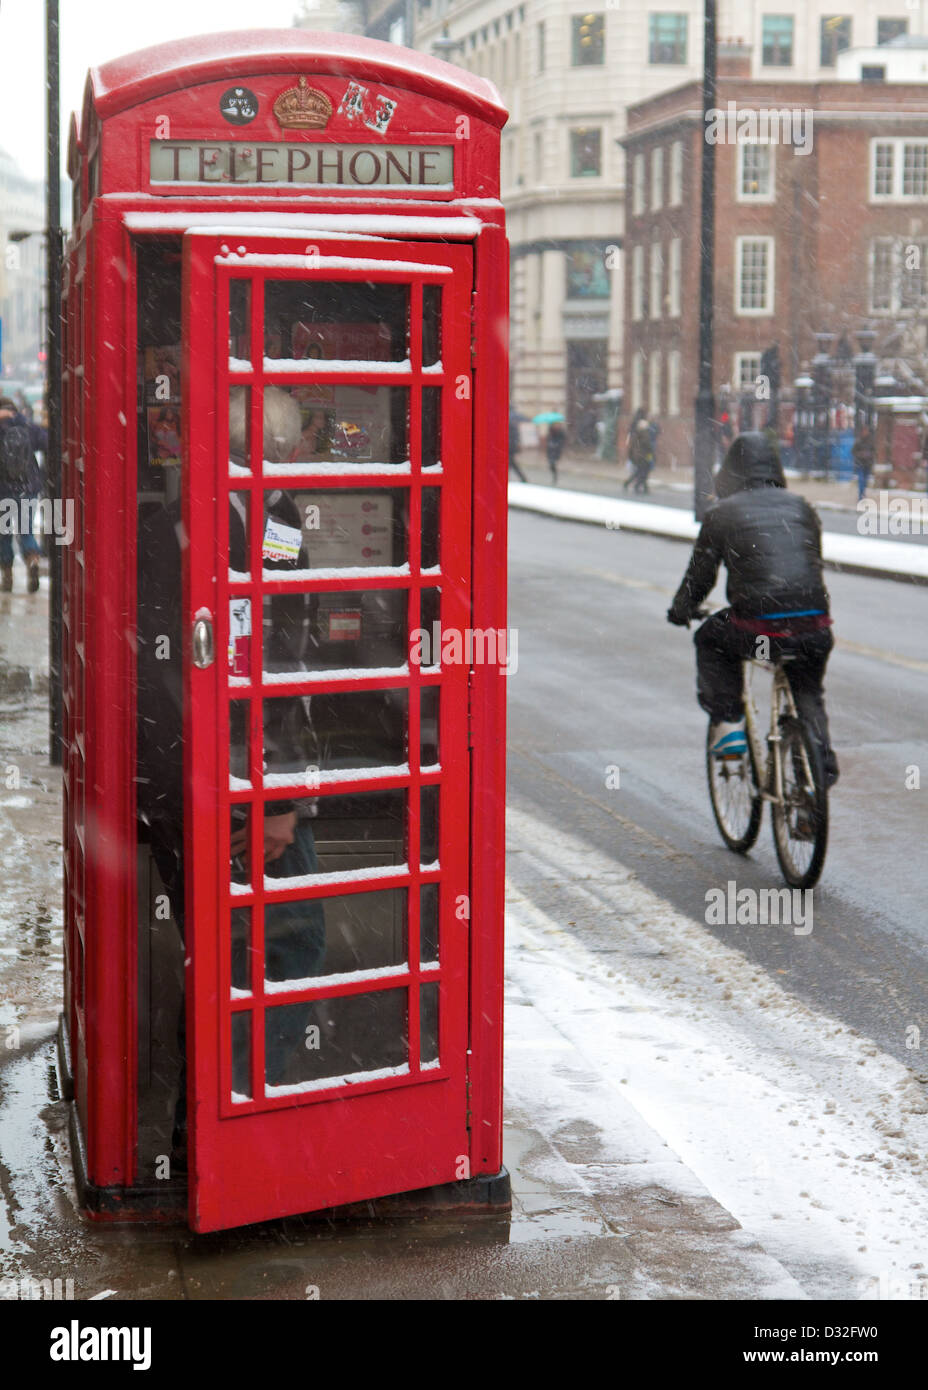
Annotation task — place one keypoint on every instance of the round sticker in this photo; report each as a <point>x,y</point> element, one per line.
<point>238,105</point>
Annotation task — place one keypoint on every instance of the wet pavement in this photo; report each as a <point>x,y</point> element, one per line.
<point>602,1207</point>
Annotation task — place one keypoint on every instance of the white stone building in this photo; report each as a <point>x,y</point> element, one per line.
<point>567,72</point>
<point>22,269</point>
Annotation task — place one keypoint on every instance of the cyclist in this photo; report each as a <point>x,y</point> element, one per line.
<point>770,541</point>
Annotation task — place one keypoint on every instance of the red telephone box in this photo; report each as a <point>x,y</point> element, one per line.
<point>284,616</point>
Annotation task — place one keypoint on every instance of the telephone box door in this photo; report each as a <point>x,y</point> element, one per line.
<point>327,545</point>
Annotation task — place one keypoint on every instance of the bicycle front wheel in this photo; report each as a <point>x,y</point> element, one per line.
<point>800,820</point>
<point>736,800</point>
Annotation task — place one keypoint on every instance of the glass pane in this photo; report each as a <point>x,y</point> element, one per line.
<point>431,325</point>
<point>430,603</point>
<point>360,832</point>
<point>294,932</point>
<point>239,558</point>
<point>239,429</point>
<point>428,1025</point>
<point>347,629</point>
<point>336,426</point>
<point>348,528</point>
<point>318,320</point>
<point>241,949</point>
<point>362,931</point>
<point>240,638</point>
<point>431,426</point>
<point>428,853</point>
<point>428,923</point>
<point>308,1045</point>
<point>241,1056</point>
<point>431,503</point>
<point>428,726</point>
<point>239,321</point>
<point>238,739</point>
<point>353,730</point>
<point>240,844</point>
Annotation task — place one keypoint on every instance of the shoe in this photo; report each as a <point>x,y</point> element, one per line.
<point>6,579</point>
<point>33,581</point>
<point>728,740</point>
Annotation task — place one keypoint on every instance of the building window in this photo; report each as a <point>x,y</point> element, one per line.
<point>638,282</point>
<point>588,35</point>
<point>899,170</point>
<point>898,275</point>
<point>585,153</point>
<point>540,45</point>
<point>637,379</point>
<point>657,178</point>
<point>872,73</point>
<point>673,382</point>
<point>654,385</point>
<point>755,173</point>
<point>587,276</point>
<point>675,277</point>
<point>777,41</point>
<point>747,370</point>
<point>676,173</point>
<point>754,275</point>
<point>889,29</point>
<point>539,156</point>
<point>835,37</point>
<point>638,185</point>
<point>657,274</point>
<point>667,38</point>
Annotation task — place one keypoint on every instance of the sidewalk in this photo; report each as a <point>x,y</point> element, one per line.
<point>589,491</point>
<point>602,1207</point>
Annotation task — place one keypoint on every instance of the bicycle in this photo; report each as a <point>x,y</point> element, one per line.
<point>793,782</point>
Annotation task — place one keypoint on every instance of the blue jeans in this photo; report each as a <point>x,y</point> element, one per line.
<point>294,949</point>
<point>28,545</point>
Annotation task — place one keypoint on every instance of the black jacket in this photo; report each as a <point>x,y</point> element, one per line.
<point>769,540</point>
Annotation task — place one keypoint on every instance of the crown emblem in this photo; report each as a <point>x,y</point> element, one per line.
<point>302,108</point>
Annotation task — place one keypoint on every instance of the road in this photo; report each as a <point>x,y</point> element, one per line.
<point>619,874</point>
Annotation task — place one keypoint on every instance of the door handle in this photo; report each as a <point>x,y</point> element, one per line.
<point>204,647</point>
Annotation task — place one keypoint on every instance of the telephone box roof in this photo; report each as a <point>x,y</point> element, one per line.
<point>153,72</point>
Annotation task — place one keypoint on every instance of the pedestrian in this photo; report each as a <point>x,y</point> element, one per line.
<point>554,447</point>
<point>863,454</point>
<point>654,430</point>
<point>515,444</point>
<point>640,456</point>
<point>20,483</point>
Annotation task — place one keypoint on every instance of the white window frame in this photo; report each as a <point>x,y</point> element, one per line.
<point>654,384</point>
<point>745,380</point>
<point>657,178</point>
<point>656,281</point>
<point>637,283</point>
<point>675,277</point>
<point>637,378</point>
<point>741,245</point>
<point>638,185</point>
<point>897,144</point>
<point>675,191</point>
<point>897,247</point>
<point>673,382</point>
<point>740,195</point>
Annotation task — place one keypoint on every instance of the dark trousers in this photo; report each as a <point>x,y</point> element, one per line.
<point>720,649</point>
<point>294,934</point>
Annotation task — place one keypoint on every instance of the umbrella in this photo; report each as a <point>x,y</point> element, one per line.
<point>547,417</point>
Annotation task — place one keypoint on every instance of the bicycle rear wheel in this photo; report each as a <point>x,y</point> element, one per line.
<point>800,821</point>
<point>736,800</point>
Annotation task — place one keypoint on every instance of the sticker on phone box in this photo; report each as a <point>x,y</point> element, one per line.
<point>281,542</point>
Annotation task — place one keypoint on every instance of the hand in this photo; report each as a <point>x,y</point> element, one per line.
<point>678,619</point>
<point>278,834</point>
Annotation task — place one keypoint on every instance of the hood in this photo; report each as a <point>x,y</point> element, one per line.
<point>751,462</point>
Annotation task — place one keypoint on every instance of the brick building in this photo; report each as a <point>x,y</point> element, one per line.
<point>821,226</point>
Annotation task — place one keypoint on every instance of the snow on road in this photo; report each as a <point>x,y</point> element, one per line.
<point>813,1138</point>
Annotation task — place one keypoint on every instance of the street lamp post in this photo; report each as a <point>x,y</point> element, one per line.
<point>704,432</point>
<point>821,401</point>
